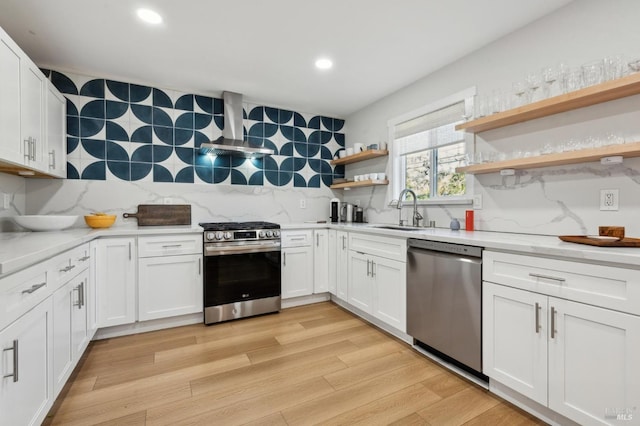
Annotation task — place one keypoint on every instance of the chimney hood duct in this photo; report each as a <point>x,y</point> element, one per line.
<point>232,140</point>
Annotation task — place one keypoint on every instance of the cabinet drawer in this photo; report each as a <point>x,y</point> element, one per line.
<point>169,245</point>
<point>301,238</point>
<point>390,248</point>
<point>606,286</point>
<point>22,291</point>
<point>69,264</point>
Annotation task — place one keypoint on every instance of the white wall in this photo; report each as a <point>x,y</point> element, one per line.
<point>554,201</point>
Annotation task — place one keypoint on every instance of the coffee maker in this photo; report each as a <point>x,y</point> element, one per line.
<point>334,210</point>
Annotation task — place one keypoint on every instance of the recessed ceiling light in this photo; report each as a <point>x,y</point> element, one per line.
<point>324,63</point>
<point>149,16</point>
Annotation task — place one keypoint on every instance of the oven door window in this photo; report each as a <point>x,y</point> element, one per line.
<point>238,277</point>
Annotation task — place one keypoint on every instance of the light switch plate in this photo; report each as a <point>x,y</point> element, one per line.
<point>477,202</point>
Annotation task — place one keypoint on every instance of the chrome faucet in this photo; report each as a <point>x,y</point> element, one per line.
<point>417,217</point>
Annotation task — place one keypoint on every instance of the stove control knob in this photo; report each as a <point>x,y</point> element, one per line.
<point>210,236</point>
<point>269,234</point>
<point>218,235</point>
<point>227,235</point>
<point>261,234</point>
<point>276,234</point>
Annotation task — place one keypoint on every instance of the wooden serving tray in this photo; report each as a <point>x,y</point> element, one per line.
<point>595,241</point>
<point>161,214</point>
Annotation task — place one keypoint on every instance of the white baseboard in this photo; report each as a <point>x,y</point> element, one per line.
<point>304,300</point>
<point>145,326</point>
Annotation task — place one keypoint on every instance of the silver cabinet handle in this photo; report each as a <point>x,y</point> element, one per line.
<point>284,259</point>
<point>200,266</point>
<point>547,277</point>
<point>79,302</point>
<point>373,270</point>
<point>298,239</point>
<point>537,317</point>
<point>317,240</point>
<point>368,271</point>
<point>33,141</point>
<point>67,268</point>
<point>83,258</point>
<point>13,348</point>
<point>344,242</point>
<point>129,251</point>
<point>27,148</point>
<point>52,163</point>
<point>171,245</point>
<point>82,290</point>
<point>553,322</point>
<point>34,288</point>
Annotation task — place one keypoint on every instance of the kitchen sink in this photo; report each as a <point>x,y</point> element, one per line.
<point>399,228</point>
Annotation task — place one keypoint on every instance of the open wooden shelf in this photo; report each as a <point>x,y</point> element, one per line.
<point>592,95</point>
<point>361,156</point>
<point>628,150</point>
<point>359,184</point>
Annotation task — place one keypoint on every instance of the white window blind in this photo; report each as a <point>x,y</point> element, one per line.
<point>431,130</point>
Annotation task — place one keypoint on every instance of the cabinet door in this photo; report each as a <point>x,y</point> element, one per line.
<point>342,265</point>
<point>79,321</point>
<point>63,300</point>
<point>56,131</point>
<point>333,257</point>
<point>360,282</point>
<point>32,83</point>
<point>297,272</point>
<point>514,350</point>
<point>594,373</point>
<point>390,297</point>
<point>320,261</point>
<point>11,148</point>
<point>92,291</point>
<point>26,395</point>
<point>169,286</point>
<point>116,274</point>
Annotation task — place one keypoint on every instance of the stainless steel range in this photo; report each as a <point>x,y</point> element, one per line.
<point>241,270</point>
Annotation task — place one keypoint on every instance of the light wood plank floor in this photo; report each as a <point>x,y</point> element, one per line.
<point>314,364</point>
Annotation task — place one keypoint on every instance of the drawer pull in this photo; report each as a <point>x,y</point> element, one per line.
<point>83,258</point>
<point>546,277</point>
<point>171,245</point>
<point>344,244</point>
<point>553,322</point>
<point>537,317</point>
<point>34,288</point>
<point>13,348</point>
<point>298,239</point>
<point>368,270</point>
<point>67,268</point>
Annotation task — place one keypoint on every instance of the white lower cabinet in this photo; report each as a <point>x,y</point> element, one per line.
<point>579,360</point>
<point>26,391</point>
<point>70,327</point>
<point>342,262</point>
<point>92,290</point>
<point>332,261</point>
<point>116,281</point>
<point>320,261</point>
<point>169,286</point>
<point>297,271</point>
<point>377,285</point>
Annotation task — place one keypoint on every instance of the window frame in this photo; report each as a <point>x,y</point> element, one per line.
<point>398,162</point>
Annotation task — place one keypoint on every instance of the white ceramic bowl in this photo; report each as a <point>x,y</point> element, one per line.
<point>45,222</point>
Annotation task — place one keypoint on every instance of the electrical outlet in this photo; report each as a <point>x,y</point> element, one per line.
<point>609,199</point>
<point>477,202</point>
<point>303,203</point>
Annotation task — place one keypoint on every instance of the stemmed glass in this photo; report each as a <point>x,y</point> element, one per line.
<point>520,92</point>
<point>534,81</point>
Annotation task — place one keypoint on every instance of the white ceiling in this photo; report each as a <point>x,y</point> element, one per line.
<point>266,49</point>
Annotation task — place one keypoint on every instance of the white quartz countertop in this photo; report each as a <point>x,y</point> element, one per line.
<point>21,249</point>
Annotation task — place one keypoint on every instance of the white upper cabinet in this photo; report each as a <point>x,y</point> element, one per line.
<point>32,116</point>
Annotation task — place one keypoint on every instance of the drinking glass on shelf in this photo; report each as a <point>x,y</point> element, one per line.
<point>520,93</point>
<point>534,82</point>
<point>573,80</point>
<point>592,73</point>
<point>614,67</point>
<point>550,76</point>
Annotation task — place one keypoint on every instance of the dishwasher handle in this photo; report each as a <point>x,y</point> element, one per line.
<point>443,255</point>
<point>438,246</point>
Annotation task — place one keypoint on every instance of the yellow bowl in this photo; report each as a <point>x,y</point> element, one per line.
<point>100,221</point>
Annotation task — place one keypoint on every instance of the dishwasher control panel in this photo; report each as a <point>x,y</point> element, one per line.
<point>446,247</point>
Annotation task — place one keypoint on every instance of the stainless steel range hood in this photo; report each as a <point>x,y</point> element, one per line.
<point>232,140</point>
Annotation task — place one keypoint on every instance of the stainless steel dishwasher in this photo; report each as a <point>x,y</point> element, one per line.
<point>444,301</point>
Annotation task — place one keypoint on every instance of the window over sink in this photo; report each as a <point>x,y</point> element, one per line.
<point>426,149</point>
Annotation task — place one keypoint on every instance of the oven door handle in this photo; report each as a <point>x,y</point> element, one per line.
<point>221,251</point>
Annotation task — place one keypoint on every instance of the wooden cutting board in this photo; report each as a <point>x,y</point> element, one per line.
<point>162,214</point>
<point>599,242</point>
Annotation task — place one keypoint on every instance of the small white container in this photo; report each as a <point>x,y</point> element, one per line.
<point>349,151</point>
<point>381,176</point>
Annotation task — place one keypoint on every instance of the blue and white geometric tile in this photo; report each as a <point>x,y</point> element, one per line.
<point>140,95</point>
<point>116,91</point>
